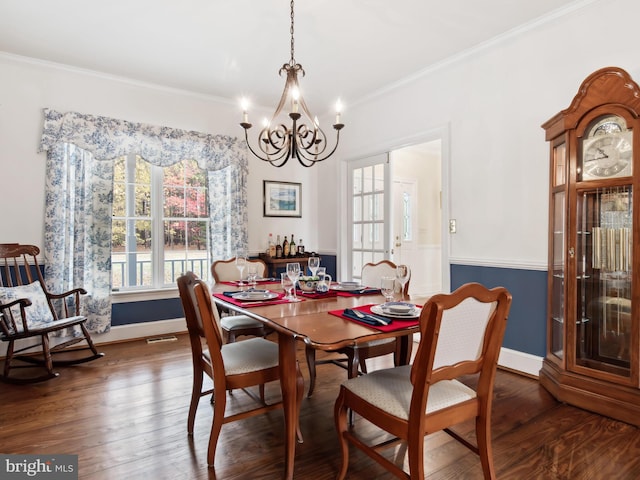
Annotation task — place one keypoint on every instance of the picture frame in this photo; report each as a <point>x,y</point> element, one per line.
<point>282,199</point>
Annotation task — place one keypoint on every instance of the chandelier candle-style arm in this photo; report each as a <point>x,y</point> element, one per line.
<point>304,140</point>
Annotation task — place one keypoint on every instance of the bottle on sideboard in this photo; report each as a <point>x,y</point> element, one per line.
<point>301,247</point>
<point>271,249</point>
<point>278,248</point>
<point>292,247</point>
<point>285,247</point>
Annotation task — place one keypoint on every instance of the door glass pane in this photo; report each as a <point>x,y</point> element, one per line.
<point>367,179</point>
<point>559,164</point>
<point>557,276</point>
<point>604,277</point>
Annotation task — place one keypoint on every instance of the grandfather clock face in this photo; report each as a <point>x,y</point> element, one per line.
<point>607,149</point>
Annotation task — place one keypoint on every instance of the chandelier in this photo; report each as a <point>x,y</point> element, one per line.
<point>304,139</point>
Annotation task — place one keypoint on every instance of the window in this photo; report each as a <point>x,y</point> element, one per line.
<point>160,223</point>
<point>407,233</point>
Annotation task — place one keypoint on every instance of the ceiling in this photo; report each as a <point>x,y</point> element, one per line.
<point>350,49</point>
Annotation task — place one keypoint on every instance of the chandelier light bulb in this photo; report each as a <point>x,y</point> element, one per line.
<point>245,107</point>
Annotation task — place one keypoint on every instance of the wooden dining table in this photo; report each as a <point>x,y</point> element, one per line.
<point>309,321</point>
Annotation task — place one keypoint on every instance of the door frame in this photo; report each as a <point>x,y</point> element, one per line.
<point>441,133</point>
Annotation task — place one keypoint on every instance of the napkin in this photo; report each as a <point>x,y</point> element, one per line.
<point>369,318</point>
<point>353,293</point>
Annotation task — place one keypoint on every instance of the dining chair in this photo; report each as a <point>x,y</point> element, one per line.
<point>237,365</point>
<point>235,326</point>
<point>28,312</point>
<point>355,361</point>
<point>461,335</point>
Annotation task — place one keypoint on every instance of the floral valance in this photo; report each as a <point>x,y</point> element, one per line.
<point>108,138</point>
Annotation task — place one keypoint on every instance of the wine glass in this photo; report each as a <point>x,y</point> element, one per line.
<point>293,271</point>
<point>252,273</point>
<point>403,272</point>
<point>314,263</point>
<point>287,285</point>
<point>241,262</point>
<point>387,286</point>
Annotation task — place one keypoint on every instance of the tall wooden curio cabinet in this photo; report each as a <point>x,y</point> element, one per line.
<point>593,331</point>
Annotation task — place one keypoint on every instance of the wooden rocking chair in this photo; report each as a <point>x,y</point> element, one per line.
<point>29,311</point>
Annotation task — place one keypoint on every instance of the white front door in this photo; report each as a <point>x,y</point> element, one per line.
<point>405,222</point>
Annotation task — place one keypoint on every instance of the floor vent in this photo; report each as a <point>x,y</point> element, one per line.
<point>170,338</point>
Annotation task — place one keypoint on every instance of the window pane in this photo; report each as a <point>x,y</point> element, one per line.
<point>174,175</point>
<point>196,203</point>
<point>174,202</point>
<point>119,197</point>
<point>143,171</point>
<point>143,201</point>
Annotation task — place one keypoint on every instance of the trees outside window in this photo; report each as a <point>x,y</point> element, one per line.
<point>160,223</point>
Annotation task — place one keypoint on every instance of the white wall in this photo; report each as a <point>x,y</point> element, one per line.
<point>28,86</point>
<point>494,100</point>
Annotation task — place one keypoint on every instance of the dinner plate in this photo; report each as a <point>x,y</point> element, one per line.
<point>255,296</point>
<point>348,287</point>
<point>385,312</point>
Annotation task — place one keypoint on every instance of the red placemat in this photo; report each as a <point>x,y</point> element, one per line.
<point>251,303</point>
<point>397,324</point>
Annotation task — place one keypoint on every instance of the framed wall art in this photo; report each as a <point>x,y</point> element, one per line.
<point>282,199</point>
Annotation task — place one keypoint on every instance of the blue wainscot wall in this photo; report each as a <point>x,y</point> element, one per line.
<point>526,327</point>
<point>524,344</point>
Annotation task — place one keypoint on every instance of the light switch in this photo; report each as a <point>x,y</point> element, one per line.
<point>452,226</point>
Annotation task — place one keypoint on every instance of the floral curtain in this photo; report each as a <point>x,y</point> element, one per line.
<point>79,193</point>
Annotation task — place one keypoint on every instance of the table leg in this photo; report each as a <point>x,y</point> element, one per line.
<point>403,352</point>
<point>287,349</point>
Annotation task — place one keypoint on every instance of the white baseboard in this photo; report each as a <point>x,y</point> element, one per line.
<point>520,361</point>
<point>140,330</point>
<point>120,333</point>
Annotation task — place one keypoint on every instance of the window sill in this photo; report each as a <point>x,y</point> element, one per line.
<point>143,295</point>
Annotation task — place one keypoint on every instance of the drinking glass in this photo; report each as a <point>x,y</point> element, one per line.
<point>314,263</point>
<point>387,287</point>
<point>241,262</point>
<point>287,285</point>
<point>403,272</point>
<point>252,273</point>
<point>293,271</point>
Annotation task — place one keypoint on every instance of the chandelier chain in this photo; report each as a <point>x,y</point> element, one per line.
<point>292,61</point>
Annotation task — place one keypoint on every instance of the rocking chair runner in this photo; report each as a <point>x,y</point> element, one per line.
<point>28,311</point>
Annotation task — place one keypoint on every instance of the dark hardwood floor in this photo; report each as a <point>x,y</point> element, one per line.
<point>125,417</point>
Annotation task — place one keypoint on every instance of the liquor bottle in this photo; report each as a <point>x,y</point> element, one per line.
<point>278,248</point>
<point>272,246</point>
<point>301,247</point>
<point>292,247</point>
<point>285,247</point>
